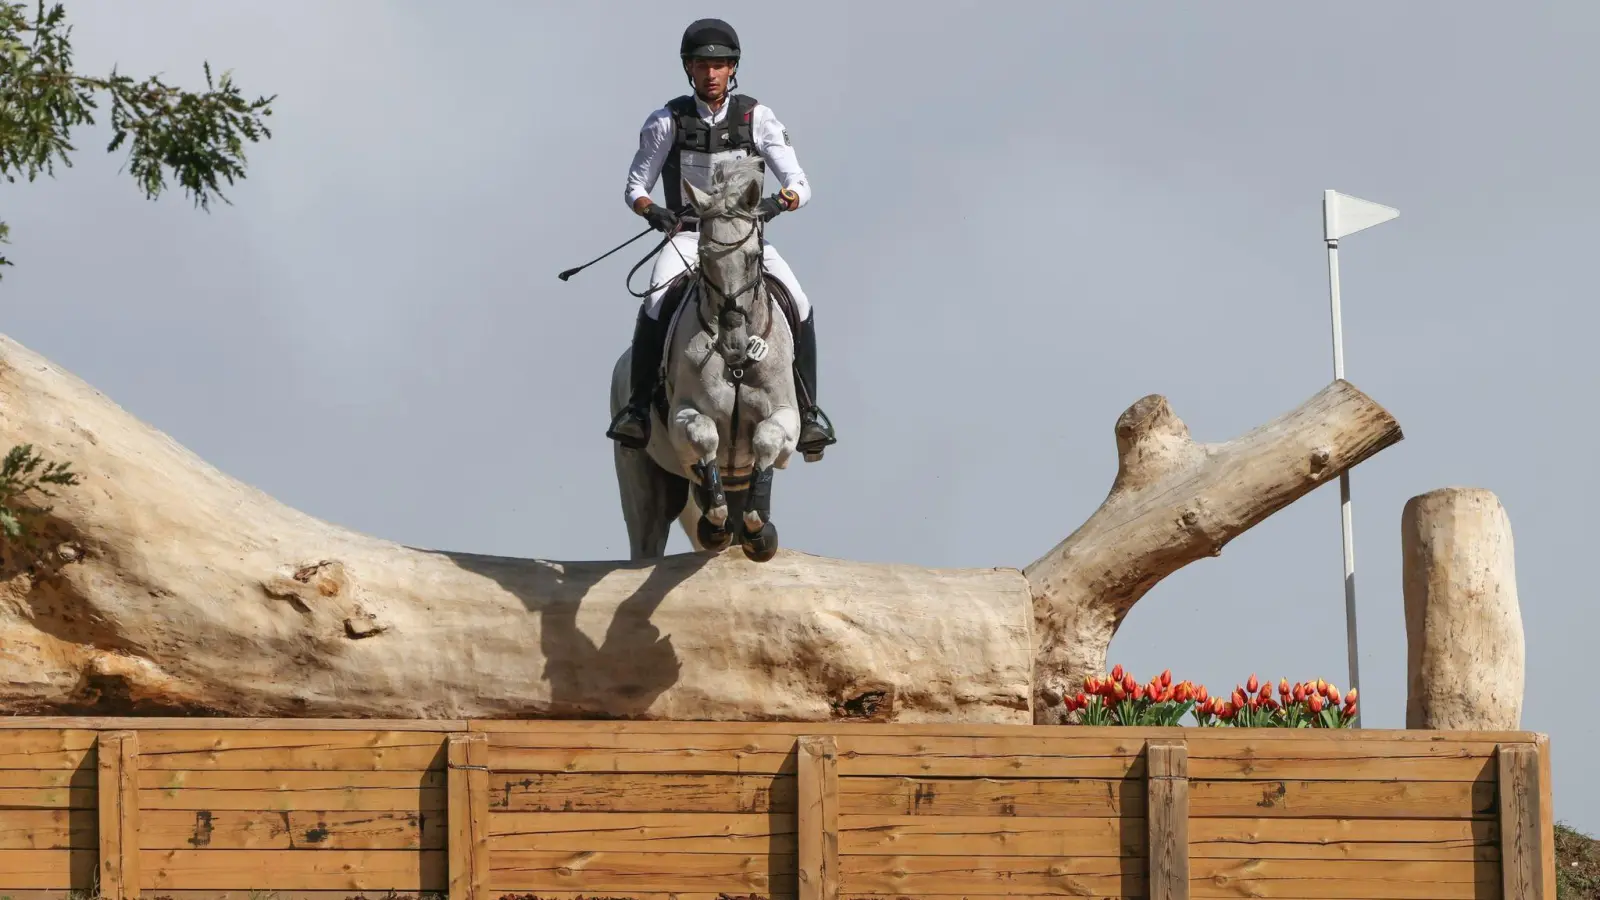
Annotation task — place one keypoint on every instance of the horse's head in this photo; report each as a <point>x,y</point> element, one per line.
<point>730,248</point>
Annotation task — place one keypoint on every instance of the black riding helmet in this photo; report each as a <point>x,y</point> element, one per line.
<point>709,39</point>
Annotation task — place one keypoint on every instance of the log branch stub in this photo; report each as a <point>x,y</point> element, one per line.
<point>1174,501</point>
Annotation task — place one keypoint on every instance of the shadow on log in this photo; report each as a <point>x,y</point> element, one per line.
<point>163,586</point>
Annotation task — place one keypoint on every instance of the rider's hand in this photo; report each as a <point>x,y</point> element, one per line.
<point>770,207</point>
<point>659,217</point>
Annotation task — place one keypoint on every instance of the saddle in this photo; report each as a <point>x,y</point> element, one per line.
<point>673,308</point>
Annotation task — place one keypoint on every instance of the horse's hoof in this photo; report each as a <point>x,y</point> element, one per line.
<point>813,456</point>
<point>712,537</point>
<point>763,545</point>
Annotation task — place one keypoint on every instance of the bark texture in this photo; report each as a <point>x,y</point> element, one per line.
<point>1175,501</point>
<point>1464,640</point>
<point>161,585</point>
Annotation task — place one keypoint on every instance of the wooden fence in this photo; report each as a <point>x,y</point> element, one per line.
<point>200,809</point>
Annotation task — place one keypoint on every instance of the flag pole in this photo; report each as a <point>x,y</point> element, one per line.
<point>1342,215</point>
<point>1346,525</point>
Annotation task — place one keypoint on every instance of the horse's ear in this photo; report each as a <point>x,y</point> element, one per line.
<point>700,199</point>
<point>752,193</point>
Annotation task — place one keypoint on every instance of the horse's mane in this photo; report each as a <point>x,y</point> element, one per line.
<point>729,181</point>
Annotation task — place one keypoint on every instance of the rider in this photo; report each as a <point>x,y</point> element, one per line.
<point>686,139</point>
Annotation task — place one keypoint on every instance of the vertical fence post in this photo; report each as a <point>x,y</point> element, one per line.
<point>117,802</point>
<point>1167,814</point>
<point>1523,806</point>
<point>817,817</point>
<point>467,798</point>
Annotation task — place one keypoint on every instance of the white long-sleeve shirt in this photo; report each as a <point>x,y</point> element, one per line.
<point>655,140</point>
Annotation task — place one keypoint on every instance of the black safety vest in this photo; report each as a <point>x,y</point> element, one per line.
<point>692,133</point>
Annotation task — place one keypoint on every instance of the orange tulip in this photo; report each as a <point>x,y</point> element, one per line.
<point>1128,684</point>
<point>1253,684</point>
<point>1351,697</point>
<point>1316,703</point>
<point>1091,684</point>
<point>1202,694</point>
<point>1299,693</point>
<point>1283,687</point>
<point>1166,677</point>
<point>1333,694</point>
<point>1266,692</point>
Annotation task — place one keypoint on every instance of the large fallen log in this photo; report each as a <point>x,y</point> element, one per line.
<point>161,585</point>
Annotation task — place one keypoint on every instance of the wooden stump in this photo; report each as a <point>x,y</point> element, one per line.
<point>1464,637</point>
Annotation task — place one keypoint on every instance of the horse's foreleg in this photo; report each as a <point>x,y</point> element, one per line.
<point>759,536</point>
<point>695,435</point>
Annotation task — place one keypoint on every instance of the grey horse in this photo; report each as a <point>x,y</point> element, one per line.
<point>729,416</point>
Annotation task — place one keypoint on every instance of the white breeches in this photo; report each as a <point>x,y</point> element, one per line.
<point>685,246</point>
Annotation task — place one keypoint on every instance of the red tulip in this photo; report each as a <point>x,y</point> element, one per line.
<point>1202,694</point>
<point>1333,694</point>
<point>1238,698</point>
<point>1128,684</point>
<point>1116,673</point>
<point>1091,684</point>
<point>1316,703</point>
<point>1166,677</point>
<point>1299,693</point>
<point>1266,692</point>
<point>1253,684</point>
<point>1082,700</point>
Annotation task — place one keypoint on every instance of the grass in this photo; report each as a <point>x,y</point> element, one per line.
<point>1577,865</point>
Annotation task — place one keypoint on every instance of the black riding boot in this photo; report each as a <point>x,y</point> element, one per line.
<point>631,427</point>
<point>816,432</point>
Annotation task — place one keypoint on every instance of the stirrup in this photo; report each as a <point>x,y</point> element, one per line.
<point>631,428</point>
<point>815,421</point>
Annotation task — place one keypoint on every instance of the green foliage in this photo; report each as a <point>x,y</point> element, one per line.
<point>1577,864</point>
<point>198,136</point>
<point>21,474</point>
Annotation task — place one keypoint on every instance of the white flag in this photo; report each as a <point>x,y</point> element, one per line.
<point>1343,214</point>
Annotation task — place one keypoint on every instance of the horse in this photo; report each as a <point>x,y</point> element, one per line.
<point>725,415</point>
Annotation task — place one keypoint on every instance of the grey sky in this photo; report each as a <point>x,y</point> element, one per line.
<point>1025,218</point>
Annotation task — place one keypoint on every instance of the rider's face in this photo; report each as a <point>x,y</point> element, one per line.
<point>711,77</point>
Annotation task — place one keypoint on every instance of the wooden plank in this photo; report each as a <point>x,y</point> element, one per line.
<point>175,829</point>
<point>1342,799</point>
<point>992,836</point>
<point>49,829</point>
<point>641,760</point>
<point>57,870</point>
<point>991,797</point>
<point>231,723</point>
<point>50,788</point>
<point>469,816</point>
<point>1522,847</point>
<point>1344,879</point>
<point>592,873</point>
<point>817,820</point>
<point>1547,828</point>
<point>922,876</point>
<point>1057,756</point>
<point>1168,817</point>
<point>283,750</point>
<point>635,793</point>
<point>117,760</point>
<point>749,833</point>
<point>293,790</point>
<point>1341,761</point>
<point>343,870</point>
<point>1443,840</point>
<point>55,748</point>
<point>972,729</point>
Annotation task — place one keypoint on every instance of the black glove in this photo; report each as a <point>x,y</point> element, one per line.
<point>770,207</point>
<point>659,217</point>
